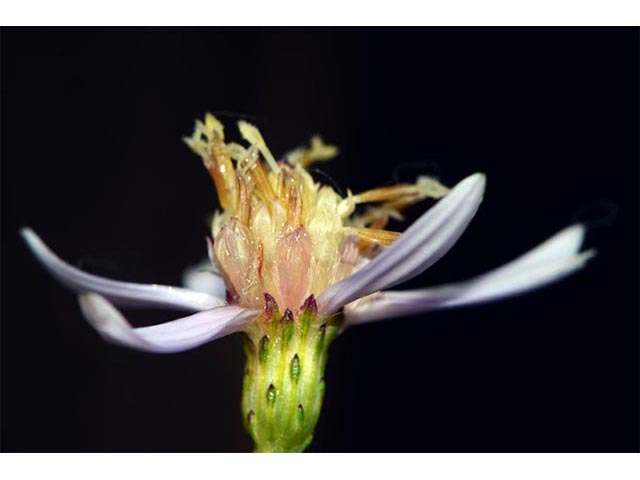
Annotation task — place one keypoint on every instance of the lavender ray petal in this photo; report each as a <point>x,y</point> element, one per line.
<point>121,293</point>
<point>428,239</point>
<point>203,278</point>
<point>549,262</point>
<point>171,337</point>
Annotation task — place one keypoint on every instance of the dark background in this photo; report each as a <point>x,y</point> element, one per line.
<point>92,160</point>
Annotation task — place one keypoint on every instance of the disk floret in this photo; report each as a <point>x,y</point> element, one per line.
<point>281,232</point>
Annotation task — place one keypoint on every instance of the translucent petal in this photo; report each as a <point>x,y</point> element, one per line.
<point>175,336</point>
<point>202,277</point>
<point>548,262</point>
<point>120,293</point>
<point>428,239</point>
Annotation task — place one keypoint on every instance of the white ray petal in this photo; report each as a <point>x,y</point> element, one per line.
<point>121,293</point>
<point>175,336</point>
<point>564,243</point>
<point>428,239</point>
<point>203,278</point>
<point>548,262</point>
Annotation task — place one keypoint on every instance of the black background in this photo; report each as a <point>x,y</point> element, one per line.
<point>92,160</point>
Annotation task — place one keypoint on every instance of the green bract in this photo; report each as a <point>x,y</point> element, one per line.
<point>284,376</point>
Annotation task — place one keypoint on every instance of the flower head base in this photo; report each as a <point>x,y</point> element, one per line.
<point>281,233</point>
<point>297,265</point>
<point>284,376</point>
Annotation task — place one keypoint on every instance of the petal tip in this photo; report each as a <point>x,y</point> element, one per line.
<point>29,236</point>
<point>580,231</point>
<point>473,186</point>
<point>91,304</point>
<point>479,179</point>
<point>36,245</point>
<point>574,236</point>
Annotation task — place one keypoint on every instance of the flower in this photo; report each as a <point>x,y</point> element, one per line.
<point>291,265</point>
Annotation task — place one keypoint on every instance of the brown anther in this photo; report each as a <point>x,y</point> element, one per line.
<point>380,222</point>
<point>294,206</point>
<point>401,204</point>
<point>243,200</point>
<point>263,185</point>
<point>220,167</point>
<point>371,236</point>
<point>260,260</point>
<point>382,194</point>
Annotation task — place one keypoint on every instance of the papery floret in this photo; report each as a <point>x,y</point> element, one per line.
<point>291,232</point>
<point>293,266</point>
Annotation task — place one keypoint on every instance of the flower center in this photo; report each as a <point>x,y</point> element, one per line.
<point>280,232</point>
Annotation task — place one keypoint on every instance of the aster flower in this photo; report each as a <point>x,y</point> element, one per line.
<point>291,265</point>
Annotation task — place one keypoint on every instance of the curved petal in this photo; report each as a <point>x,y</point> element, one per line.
<point>121,293</point>
<point>175,336</point>
<point>548,262</point>
<point>428,239</point>
<point>203,278</point>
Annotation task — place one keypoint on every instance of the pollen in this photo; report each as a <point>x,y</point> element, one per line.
<point>279,232</point>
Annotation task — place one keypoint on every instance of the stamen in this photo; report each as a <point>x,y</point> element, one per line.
<point>385,193</point>
<point>252,135</point>
<point>318,152</point>
<point>294,206</point>
<point>215,157</point>
<point>370,236</point>
<point>347,206</point>
<point>221,169</point>
<point>430,187</point>
<point>379,222</point>
<point>260,261</point>
<point>243,202</point>
<point>263,185</point>
<point>425,187</point>
<point>376,217</point>
<point>237,152</point>
<point>213,126</point>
